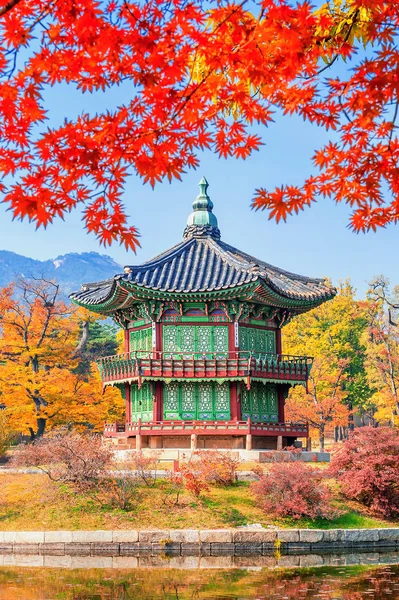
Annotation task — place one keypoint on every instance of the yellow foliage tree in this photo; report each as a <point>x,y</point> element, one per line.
<point>332,334</point>
<point>382,349</point>
<point>39,381</point>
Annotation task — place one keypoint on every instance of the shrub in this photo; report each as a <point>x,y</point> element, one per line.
<point>194,479</point>
<point>173,488</point>
<point>72,457</point>
<point>367,467</point>
<point>208,467</point>
<point>292,489</point>
<point>216,467</point>
<point>120,491</point>
<point>145,465</point>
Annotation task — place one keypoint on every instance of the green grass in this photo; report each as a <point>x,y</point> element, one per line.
<point>31,502</point>
<point>349,520</point>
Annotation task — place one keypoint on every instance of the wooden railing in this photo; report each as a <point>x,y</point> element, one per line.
<point>205,428</point>
<point>230,365</point>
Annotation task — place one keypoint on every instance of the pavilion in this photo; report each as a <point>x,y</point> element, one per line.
<point>203,364</point>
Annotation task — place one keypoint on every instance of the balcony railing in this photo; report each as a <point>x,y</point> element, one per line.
<point>205,428</point>
<point>133,366</point>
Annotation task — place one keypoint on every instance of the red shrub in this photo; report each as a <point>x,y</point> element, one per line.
<point>367,466</point>
<point>292,489</point>
<point>193,479</point>
<point>216,467</point>
<point>73,457</point>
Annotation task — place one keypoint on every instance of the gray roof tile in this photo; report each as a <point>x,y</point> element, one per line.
<point>204,263</point>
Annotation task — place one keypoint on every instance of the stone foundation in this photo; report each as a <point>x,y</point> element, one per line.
<point>237,442</point>
<point>191,542</point>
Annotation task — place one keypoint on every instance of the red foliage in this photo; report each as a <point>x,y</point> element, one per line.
<point>367,466</point>
<point>74,458</point>
<point>217,467</point>
<point>196,76</point>
<point>292,489</point>
<point>208,467</point>
<point>193,479</point>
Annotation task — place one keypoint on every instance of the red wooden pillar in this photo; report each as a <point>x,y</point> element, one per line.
<point>157,413</point>
<point>282,391</point>
<point>235,404</point>
<point>128,404</point>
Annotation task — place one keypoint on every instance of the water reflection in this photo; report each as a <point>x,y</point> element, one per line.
<point>325,583</point>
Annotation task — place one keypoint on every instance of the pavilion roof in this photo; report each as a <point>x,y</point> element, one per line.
<point>203,264</point>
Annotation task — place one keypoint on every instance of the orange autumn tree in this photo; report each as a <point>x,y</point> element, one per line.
<point>195,76</point>
<point>333,335</point>
<point>40,385</point>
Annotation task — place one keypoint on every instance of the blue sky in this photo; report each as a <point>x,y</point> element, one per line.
<point>317,242</point>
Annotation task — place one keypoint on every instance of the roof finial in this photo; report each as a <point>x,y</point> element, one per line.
<point>202,222</point>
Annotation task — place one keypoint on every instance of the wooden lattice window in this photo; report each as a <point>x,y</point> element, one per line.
<point>141,339</point>
<point>260,402</point>
<point>195,339</point>
<point>142,402</point>
<point>205,401</point>
<point>258,341</point>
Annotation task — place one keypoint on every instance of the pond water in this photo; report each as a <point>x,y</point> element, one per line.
<point>378,582</point>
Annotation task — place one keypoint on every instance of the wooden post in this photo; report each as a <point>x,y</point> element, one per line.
<point>309,444</point>
<point>128,404</point>
<point>281,395</point>
<point>139,440</point>
<point>157,411</point>
<point>248,442</point>
<point>279,442</point>
<point>193,441</point>
<point>234,406</point>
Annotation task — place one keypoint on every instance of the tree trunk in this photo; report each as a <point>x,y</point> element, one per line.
<point>321,439</point>
<point>41,428</point>
<point>351,422</point>
<point>83,339</point>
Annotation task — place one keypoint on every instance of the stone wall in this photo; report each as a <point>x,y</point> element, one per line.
<point>186,542</point>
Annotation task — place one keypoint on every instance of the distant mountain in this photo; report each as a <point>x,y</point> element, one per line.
<point>70,270</point>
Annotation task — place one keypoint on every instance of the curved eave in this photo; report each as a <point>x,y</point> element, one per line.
<point>122,294</point>
<point>266,293</point>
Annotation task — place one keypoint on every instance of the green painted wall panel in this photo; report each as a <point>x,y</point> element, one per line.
<point>258,341</point>
<point>260,402</point>
<point>195,339</point>
<point>141,340</point>
<point>205,401</point>
<point>142,402</point>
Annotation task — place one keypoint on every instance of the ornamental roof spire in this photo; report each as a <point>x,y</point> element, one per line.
<point>202,222</point>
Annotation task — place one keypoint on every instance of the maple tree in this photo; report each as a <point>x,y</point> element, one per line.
<point>39,385</point>
<point>195,76</point>
<point>366,465</point>
<point>293,489</point>
<point>332,334</point>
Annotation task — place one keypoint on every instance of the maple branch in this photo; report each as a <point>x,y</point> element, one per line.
<point>201,83</point>
<point>9,7</point>
<point>393,125</point>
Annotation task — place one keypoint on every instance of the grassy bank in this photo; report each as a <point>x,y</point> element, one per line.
<point>32,503</point>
